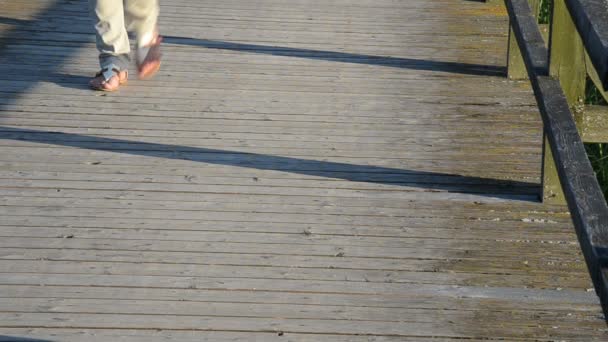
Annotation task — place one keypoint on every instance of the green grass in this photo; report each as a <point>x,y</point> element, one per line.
<point>545,11</point>
<point>598,153</point>
<point>593,96</point>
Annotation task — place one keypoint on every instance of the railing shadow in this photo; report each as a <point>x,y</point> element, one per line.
<point>344,171</point>
<point>344,57</point>
<point>4,338</point>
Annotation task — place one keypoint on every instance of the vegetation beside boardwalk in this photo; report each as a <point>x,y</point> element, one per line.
<point>544,14</point>
<point>598,153</point>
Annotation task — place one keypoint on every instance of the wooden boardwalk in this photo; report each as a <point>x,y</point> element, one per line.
<point>299,171</point>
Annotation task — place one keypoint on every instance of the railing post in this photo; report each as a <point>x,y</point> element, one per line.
<point>567,64</point>
<point>552,188</point>
<point>516,67</point>
<point>567,55</point>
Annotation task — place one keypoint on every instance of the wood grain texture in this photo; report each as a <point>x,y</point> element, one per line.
<point>298,171</point>
<point>590,122</point>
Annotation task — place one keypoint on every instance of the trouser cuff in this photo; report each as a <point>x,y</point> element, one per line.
<point>121,61</point>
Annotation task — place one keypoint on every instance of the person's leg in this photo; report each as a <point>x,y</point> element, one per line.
<point>142,19</point>
<point>112,43</point>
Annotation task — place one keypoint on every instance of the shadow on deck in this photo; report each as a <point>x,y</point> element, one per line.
<point>20,339</point>
<point>357,173</point>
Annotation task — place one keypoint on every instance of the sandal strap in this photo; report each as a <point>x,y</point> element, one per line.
<point>109,71</point>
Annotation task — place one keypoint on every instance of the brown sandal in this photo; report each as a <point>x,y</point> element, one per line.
<point>148,58</point>
<point>109,79</point>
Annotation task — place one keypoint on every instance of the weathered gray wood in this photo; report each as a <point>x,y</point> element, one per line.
<point>287,326</point>
<point>301,312</point>
<point>591,123</point>
<point>156,335</point>
<point>577,302</point>
<point>414,265</point>
<point>571,277</point>
<point>230,308</point>
<point>199,288</point>
<point>535,221</point>
<point>462,249</point>
<point>272,203</point>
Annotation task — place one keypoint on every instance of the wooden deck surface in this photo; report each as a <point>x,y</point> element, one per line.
<point>303,170</point>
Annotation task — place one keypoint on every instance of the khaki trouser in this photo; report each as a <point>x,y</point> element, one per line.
<point>113,19</point>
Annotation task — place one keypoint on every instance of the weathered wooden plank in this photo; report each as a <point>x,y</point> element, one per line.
<point>42,108</point>
<point>590,121</point>
<point>442,263</point>
<point>156,335</point>
<point>200,151</point>
<point>393,147</point>
<point>571,278</point>
<point>383,220</point>
<point>325,208</point>
<point>145,153</point>
<point>301,312</point>
<point>451,249</point>
<point>78,157</point>
<point>532,221</point>
<point>335,112</point>
<point>223,324</point>
<point>375,181</point>
<point>287,204</point>
<point>287,326</point>
<point>577,302</point>
<point>439,229</point>
<point>75,134</point>
<point>310,129</point>
<point>328,288</point>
